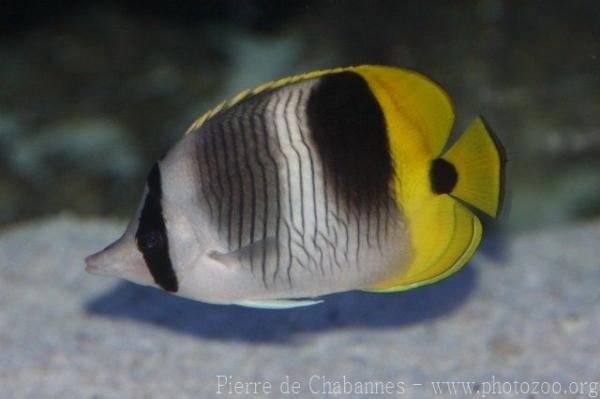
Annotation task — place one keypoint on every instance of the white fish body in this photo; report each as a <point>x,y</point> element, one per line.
<point>293,191</point>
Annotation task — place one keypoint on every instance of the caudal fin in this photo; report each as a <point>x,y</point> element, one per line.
<point>445,234</point>
<point>472,170</point>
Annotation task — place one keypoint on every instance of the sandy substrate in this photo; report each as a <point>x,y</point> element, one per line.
<point>525,310</point>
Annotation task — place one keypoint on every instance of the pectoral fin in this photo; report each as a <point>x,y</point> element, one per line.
<point>252,252</point>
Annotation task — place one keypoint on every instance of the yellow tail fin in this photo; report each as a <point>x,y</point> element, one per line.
<point>445,233</point>
<point>479,162</point>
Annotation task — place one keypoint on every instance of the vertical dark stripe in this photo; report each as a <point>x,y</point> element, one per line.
<point>212,133</point>
<point>299,162</point>
<point>229,203</point>
<point>311,164</point>
<point>344,224</point>
<point>389,205</point>
<point>378,211</point>
<point>369,205</point>
<point>244,129</point>
<point>256,125</point>
<point>290,254</point>
<point>152,224</point>
<point>275,176</point>
<point>279,220</point>
<point>206,178</point>
<point>287,161</point>
<point>312,167</point>
<point>325,197</point>
<point>235,131</point>
<point>332,252</point>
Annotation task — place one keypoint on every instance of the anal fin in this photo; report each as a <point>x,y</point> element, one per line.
<point>279,303</point>
<point>445,236</point>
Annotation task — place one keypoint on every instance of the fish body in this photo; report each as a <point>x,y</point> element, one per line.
<point>323,182</point>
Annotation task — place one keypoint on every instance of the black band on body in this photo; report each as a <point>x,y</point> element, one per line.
<point>349,129</point>
<point>151,235</point>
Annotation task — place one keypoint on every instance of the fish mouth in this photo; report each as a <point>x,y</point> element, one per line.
<point>92,269</point>
<point>100,263</point>
<point>94,264</point>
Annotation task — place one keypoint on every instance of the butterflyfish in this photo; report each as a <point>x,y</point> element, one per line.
<point>329,181</point>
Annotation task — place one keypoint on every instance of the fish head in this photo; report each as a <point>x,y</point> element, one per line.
<point>159,243</point>
<point>122,258</point>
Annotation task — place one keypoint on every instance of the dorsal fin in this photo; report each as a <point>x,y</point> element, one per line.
<point>415,101</point>
<point>274,84</point>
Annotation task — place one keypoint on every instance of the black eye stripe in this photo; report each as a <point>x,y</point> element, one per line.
<point>152,222</point>
<point>153,182</point>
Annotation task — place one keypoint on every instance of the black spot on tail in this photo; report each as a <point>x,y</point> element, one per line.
<point>151,235</point>
<point>443,176</point>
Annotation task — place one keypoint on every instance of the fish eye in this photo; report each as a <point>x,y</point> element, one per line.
<point>149,241</point>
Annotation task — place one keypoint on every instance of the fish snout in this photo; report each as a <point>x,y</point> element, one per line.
<point>103,262</point>
<point>96,263</point>
<point>120,259</point>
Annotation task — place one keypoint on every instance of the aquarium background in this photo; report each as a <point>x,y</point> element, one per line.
<point>93,92</point>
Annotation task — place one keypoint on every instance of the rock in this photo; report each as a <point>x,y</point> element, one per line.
<point>531,315</point>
